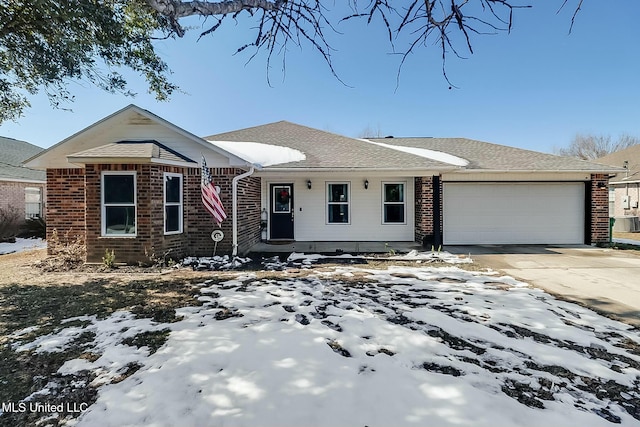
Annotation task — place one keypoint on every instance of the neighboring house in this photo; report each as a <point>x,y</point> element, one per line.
<point>624,188</point>
<point>21,189</point>
<point>131,183</point>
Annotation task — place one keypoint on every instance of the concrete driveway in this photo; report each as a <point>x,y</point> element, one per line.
<point>606,280</point>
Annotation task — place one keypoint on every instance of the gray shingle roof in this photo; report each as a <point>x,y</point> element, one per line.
<point>488,156</point>
<point>12,153</point>
<point>632,156</point>
<point>132,150</point>
<point>328,150</point>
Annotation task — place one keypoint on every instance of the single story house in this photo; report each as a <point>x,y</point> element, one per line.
<point>131,183</point>
<point>22,190</point>
<point>624,188</point>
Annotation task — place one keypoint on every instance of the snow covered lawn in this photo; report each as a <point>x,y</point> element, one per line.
<point>21,245</point>
<point>350,346</point>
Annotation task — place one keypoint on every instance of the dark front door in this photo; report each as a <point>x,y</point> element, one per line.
<point>281,211</point>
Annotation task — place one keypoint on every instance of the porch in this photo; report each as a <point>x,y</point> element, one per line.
<point>334,247</point>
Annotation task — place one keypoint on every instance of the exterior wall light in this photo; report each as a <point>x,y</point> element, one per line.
<point>309,184</point>
<point>366,184</point>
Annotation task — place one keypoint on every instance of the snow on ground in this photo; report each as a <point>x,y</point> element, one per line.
<point>348,346</point>
<point>22,245</point>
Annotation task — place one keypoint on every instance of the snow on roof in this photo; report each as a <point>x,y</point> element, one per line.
<point>261,154</point>
<point>438,156</point>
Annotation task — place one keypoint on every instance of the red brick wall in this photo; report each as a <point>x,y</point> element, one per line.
<point>599,208</point>
<point>65,205</point>
<point>150,240</point>
<point>200,223</point>
<point>424,208</point>
<point>248,213</point>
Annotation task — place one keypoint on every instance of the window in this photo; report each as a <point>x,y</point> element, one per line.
<point>119,204</point>
<point>172,203</point>
<point>281,199</point>
<point>338,203</point>
<point>612,201</point>
<point>32,202</point>
<point>393,203</point>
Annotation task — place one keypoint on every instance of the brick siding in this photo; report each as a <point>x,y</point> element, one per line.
<point>599,208</point>
<point>201,223</point>
<point>66,203</point>
<point>248,213</point>
<point>75,207</point>
<point>424,229</point>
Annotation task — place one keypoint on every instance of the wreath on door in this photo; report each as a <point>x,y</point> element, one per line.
<point>283,197</point>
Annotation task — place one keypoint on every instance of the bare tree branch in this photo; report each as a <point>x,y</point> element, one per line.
<point>591,147</point>
<point>445,23</point>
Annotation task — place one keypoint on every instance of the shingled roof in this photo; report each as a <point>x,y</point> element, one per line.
<point>326,150</point>
<point>12,153</point>
<point>632,156</point>
<point>494,157</point>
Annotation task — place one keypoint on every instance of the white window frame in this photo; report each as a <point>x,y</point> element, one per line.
<point>328,203</point>
<point>612,201</point>
<point>403,203</point>
<point>103,206</point>
<point>32,191</point>
<point>180,204</point>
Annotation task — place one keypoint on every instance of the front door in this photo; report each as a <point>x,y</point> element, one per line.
<point>282,211</point>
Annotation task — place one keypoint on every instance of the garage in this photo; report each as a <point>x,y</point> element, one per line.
<point>513,213</point>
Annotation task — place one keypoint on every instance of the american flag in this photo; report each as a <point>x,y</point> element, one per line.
<point>210,196</point>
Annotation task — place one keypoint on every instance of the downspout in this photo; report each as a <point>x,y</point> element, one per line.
<point>234,192</point>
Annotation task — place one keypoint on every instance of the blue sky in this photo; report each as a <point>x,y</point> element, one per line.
<point>534,88</point>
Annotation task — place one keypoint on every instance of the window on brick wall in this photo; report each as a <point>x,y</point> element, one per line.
<point>393,203</point>
<point>118,204</point>
<point>32,202</point>
<point>173,203</point>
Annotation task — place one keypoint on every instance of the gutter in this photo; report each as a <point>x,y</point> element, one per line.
<point>308,170</point>
<point>234,189</point>
<point>24,180</point>
<point>599,171</point>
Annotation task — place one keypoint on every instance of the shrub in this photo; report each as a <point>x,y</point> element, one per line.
<point>10,222</point>
<point>109,258</point>
<point>67,253</point>
<point>33,227</point>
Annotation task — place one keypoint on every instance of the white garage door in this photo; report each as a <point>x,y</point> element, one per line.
<point>493,213</point>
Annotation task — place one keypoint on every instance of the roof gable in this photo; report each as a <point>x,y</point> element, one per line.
<point>630,155</point>
<point>133,123</point>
